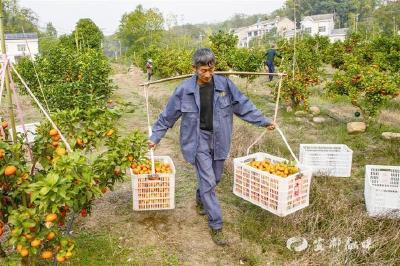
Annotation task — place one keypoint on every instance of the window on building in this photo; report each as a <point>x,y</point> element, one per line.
<point>322,29</point>
<point>21,47</point>
<point>307,30</point>
<point>249,34</point>
<point>255,33</point>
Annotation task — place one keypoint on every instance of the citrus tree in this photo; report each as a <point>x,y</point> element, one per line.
<point>37,197</point>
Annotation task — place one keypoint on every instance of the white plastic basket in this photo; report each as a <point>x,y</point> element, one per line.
<point>327,159</point>
<point>279,195</point>
<point>31,131</point>
<point>382,190</point>
<point>154,193</point>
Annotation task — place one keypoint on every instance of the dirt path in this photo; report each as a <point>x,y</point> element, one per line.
<point>180,234</point>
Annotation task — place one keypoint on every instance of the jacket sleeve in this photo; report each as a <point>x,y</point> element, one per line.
<point>167,118</point>
<point>245,109</point>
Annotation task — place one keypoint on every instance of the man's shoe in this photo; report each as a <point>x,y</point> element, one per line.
<point>200,208</point>
<point>218,237</point>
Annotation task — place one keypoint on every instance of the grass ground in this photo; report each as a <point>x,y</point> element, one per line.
<point>115,235</point>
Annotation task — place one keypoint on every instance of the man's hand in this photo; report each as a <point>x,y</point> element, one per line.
<point>151,144</point>
<point>272,126</point>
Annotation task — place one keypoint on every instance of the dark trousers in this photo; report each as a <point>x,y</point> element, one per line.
<point>209,173</point>
<point>271,69</point>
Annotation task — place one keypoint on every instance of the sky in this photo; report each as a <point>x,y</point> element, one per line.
<point>107,13</point>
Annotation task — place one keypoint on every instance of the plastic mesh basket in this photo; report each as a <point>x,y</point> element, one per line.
<point>279,195</point>
<point>382,190</point>
<point>327,159</point>
<point>30,128</point>
<point>154,193</point>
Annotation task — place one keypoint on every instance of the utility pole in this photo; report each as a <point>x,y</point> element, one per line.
<point>294,39</point>
<point>7,80</point>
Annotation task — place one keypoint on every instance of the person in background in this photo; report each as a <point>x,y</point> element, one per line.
<point>149,68</point>
<point>207,102</point>
<point>269,62</point>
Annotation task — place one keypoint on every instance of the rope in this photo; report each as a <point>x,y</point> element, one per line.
<point>42,109</point>
<point>146,96</point>
<point>3,75</point>
<point>277,128</point>
<point>20,113</point>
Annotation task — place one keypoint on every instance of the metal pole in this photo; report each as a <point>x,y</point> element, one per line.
<point>7,80</point>
<point>294,39</point>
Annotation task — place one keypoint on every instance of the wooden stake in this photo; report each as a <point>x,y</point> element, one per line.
<point>225,73</point>
<point>7,80</point>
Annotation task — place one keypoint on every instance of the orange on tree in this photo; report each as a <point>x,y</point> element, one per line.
<point>60,258</point>
<point>50,236</point>
<point>130,157</point>
<point>55,144</point>
<point>25,176</point>
<point>110,133</point>
<point>35,243</point>
<point>53,132</point>
<point>51,217</point>
<point>56,137</point>
<point>4,124</point>
<point>47,254</point>
<point>19,247</point>
<point>24,252</point>
<point>79,142</point>
<point>10,170</point>
<point>61,151</point>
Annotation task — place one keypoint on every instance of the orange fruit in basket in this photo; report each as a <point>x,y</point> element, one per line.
<point>10,170</point>
<point>136,171</point>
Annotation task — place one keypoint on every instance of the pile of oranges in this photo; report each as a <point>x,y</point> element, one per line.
<point>278,169</point>
<point>145,168</point>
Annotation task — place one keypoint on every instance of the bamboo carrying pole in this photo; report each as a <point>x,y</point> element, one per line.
<point>7,80</point>
<point>218,73</point>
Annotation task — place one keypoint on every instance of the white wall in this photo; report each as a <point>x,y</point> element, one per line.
<point>315,25</point>
<point>14,48</point>
<point>284,25</point>
<point>336,38</point>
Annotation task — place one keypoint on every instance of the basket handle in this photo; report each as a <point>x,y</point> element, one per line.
<point>277,128</point>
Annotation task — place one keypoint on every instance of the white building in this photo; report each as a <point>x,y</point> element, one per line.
<point>323,25</point>
<point>318,24</point>
<point>17,45</point>
<point>278,25</point>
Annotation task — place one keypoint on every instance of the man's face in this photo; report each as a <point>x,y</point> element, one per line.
<point>204,73</point>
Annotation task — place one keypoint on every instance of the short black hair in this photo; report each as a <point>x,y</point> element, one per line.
<point>203,57</point>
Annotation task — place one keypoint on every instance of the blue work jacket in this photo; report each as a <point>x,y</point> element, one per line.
<point>185,103</point>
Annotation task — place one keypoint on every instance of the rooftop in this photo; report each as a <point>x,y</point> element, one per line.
<point>21,36</point>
